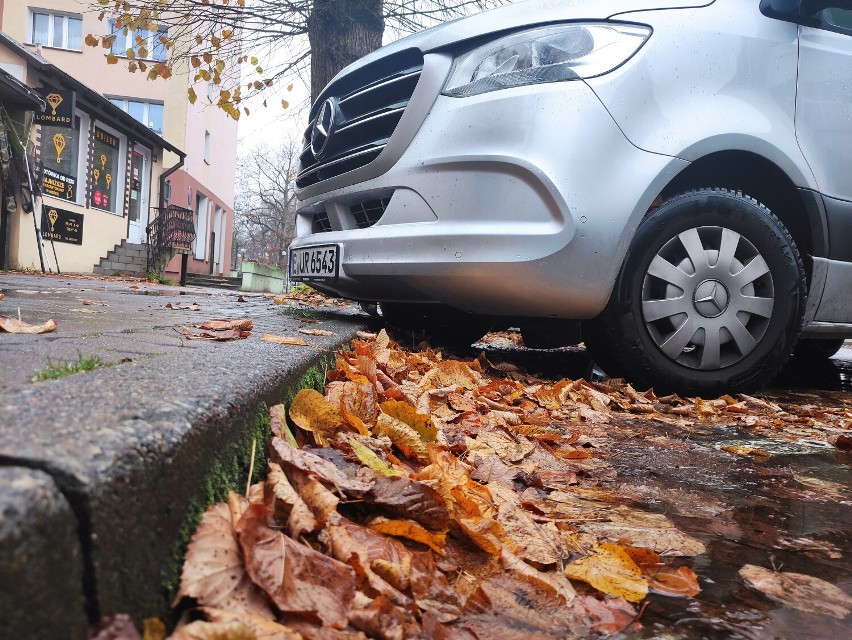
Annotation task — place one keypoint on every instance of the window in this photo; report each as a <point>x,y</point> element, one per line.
<point>207,147</point>
<point>60,148</point>
<point>105,171</point>
<point>57,30</point>
<point>148,113</point>
<point>201,215</point>
<point>146,45</point>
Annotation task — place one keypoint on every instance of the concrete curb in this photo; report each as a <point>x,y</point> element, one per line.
<point>134,464</point>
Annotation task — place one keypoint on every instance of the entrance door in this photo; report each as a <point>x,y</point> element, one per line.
<point>140,173</point>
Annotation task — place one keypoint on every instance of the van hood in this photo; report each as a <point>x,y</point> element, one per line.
<point>520,14</point>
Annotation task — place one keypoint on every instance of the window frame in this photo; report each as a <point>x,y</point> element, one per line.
<point>208,147</point>
<point>51,28</point>
<point>125,106</point>
<point>82,159</point>
<point>129,37</point>
<point>122,169</point>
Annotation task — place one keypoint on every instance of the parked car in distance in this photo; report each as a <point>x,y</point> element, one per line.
<point>667,180</point>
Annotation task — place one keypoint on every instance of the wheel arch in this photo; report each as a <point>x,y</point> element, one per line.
<point>801,210</point>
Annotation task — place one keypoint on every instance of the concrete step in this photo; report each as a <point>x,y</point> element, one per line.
<point>125,257</point>
<point>214,281</point>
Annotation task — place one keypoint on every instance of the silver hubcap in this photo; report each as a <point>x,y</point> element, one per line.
<point>707,298</point>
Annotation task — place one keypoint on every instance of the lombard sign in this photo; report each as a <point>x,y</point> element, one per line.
<point>60,225</point>
<point>60,107</point>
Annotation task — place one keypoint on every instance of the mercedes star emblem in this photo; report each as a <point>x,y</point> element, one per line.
<point>323,127</point>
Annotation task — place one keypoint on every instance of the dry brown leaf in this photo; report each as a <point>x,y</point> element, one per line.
<point>536,544</point>
<point>13,325</point>
<point>298,579</point>
<point>224,335</point>
<point>287,505</point>
<point>746,451</point>
<point>179,307</point>
<point>201,630</point>
<point>87,311</point>
<point>662,579</point>
<point>407,498</point>
<point>286,340</point>
<point>213,570</point>
<point>610,569</point>
<point>316,332</point>
<point>799,591</point>
<point>288,457</point>
<point>609,616</point>
<point>644,529</point>
<point>262,629</point>
<point>357,403</point>
<point>243,324</point>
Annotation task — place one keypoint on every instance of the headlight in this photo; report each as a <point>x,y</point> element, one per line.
<point>546,54</point>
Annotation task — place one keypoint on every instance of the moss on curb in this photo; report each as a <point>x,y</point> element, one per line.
<point>228,472</point>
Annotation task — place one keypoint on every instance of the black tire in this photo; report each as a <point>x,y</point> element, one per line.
<point>817,350</point>
<point>445,325</point>
<point>730,324</point>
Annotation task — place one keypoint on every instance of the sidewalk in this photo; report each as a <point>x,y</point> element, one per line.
<point>104,473</point>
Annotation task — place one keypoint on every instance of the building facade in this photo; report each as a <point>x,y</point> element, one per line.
<point>204,180</point>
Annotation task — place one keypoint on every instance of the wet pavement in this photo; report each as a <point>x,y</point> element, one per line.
<point>790,510</point>
<point>122,320</point>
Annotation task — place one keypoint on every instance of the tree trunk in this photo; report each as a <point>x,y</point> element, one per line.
<point>340,32</point>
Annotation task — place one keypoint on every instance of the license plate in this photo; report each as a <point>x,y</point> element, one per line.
<point>314,263</point>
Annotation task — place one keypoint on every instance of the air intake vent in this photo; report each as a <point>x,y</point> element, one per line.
<point>368,213</point>
<point>367,105</point>
<point>321,223</point>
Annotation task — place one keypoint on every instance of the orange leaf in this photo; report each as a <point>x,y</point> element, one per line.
<point>404,437</point>
<point>410,530</point>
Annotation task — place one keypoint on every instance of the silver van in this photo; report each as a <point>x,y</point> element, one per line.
<point>668,180</point>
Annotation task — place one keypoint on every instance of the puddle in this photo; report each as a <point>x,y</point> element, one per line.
<point>165,293</point>
<point>789,512</point>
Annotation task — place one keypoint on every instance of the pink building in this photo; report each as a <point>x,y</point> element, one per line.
<point>203,182</point>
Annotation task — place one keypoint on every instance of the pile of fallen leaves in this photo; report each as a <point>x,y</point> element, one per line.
<point>438,498</point>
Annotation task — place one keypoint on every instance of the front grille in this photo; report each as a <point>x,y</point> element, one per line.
<point>370,103</point>
<point>368,213</point>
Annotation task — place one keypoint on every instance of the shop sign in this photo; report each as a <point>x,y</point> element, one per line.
<point>60,107</point>
<point>58,185</point>
<point>60,225</point>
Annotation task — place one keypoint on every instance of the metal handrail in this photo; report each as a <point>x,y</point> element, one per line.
<point>171,231</point>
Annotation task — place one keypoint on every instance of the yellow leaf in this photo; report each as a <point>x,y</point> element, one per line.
<point>312,412</point>
<point>285,104</point>
<point>253,60</point>
<point>143,52</point>
<point>91,41</point>
<point>405,412</point>
<point>404,437</point>
<point>410,530</point>
<point>111,59</point>
<point>227,34</point>
<point>204,74</point>
<point>220,66</point>
<point>191,95</point>
<point>371,459</point>
<point>278,425</point>
<point>130,54</point>
<point>198,39</point>
<point>289,87</point>
<point>610,569</point>
<point>293,342</point>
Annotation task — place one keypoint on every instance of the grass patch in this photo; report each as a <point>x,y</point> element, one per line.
<point>56,370</point>
<point>129,330</point>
